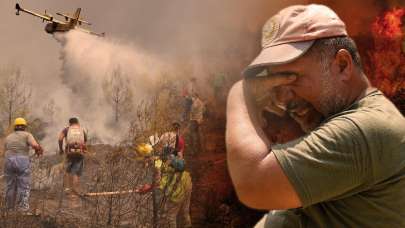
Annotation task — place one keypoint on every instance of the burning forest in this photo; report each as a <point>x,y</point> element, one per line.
<point>386,64</point>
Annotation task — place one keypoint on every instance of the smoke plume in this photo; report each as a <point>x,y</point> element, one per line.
<point>86,63</point>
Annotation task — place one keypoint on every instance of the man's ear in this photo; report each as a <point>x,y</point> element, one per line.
<point>343,64</point>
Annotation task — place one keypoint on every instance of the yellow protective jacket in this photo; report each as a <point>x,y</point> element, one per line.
<point>175,185</point>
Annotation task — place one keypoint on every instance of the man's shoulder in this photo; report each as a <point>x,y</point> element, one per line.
<point>18,135</point>
<point>10,136</point>
<point>28,133</point>
<point>373,113</point>
<point>376,123</point>
<point>384,119</point>
<point>23,133</point>
<point>65,130</point>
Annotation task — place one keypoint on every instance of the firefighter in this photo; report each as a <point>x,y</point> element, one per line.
<point>173,141</point>
<point>17,167</point>
<point>188,90</point>
<point>75,138</point>
<point>174,186</point>
<point>196,119</point>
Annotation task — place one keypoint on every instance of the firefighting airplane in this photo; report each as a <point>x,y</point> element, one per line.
<point>54,25</point>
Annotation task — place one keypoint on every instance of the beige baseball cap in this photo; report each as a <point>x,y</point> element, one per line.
<point>291,32</point>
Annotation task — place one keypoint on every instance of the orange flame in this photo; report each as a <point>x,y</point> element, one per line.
<point>387,58</point>
<point>389,25</point>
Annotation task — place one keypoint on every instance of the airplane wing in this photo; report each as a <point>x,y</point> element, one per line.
<point>91,32</point>
<point>44,17</point>
<point>67,16</point>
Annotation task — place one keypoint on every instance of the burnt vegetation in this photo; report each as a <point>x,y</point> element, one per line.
<point>112,173</point>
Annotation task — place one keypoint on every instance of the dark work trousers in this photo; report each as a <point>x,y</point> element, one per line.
<point>195,140</point>
<point>17,172</point>
<point>188,102</point>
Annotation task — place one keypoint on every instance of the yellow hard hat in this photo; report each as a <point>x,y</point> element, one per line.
<point>20,121</point>
<point>144,149</point>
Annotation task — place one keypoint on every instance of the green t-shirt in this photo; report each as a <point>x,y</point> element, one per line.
<point>350,171</point>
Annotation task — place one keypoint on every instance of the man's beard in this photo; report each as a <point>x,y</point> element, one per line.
<point>331,100</point>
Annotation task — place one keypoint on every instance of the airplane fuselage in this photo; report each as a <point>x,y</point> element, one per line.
<point>54,25</point>
<point>57,27</point>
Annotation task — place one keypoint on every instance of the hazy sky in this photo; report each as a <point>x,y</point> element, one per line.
<point>161,26</point>
<point>157,25</point>
<point>173,30</point>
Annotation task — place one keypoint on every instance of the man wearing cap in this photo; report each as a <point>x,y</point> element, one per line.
<point>348,170</point>
<point>17,166</point>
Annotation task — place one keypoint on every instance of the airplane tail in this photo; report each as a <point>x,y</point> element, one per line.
<point>76,17</point>
<point>18,8</point>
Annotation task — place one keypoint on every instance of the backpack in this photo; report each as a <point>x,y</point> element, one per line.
<point>75,135</point>
<point>75,139</point>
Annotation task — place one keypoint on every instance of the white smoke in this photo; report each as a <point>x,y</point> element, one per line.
<point>86,62</point>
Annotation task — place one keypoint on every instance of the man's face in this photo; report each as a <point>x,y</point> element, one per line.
<point>315,86</point>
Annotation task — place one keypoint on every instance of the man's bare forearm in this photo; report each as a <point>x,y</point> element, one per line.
<point>246,142</point>
<point>60,144</point>
<point>255,172</point>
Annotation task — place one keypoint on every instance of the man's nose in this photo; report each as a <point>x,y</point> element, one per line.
<point>282,95</point>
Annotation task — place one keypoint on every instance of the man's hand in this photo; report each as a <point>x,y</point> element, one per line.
<point>308,119</point>
<point>143,189</point>
<point>260,90</point>
<point>38,150</point>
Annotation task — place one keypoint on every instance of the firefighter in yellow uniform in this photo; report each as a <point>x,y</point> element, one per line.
<point>176,187</point>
